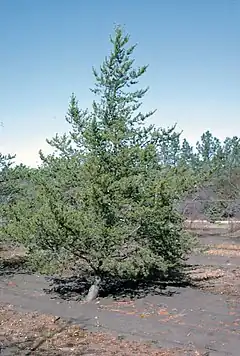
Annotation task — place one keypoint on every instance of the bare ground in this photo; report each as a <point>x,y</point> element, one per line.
<point>39,334</point>
<point>203,319</point>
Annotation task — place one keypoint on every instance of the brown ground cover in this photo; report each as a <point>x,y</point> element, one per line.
<point>40,334</point>
<point>214,270</point>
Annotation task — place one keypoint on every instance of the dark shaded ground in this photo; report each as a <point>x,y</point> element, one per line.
<point>205,317</point>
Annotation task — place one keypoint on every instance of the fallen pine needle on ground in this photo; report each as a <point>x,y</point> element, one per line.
<point>39,334</point>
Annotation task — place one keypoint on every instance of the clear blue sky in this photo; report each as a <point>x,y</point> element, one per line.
<point>48,48</point>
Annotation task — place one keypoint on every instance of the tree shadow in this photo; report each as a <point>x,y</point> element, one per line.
<point>76,288</point>
<point>68,288</point>
<point>13,265</point>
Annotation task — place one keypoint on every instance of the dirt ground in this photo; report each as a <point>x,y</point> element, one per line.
<point>39,334</point>
<point>201,319</point>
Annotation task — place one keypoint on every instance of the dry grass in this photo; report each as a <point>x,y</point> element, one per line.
<point>228,247</point>
<point>234,235</point>
<point>10,252</point>
<point>202,274</point>
<point>39,334</point>
<point>229,250</point>
<point>234,227</point>
<point>223,252</point>
<point>217,280</point>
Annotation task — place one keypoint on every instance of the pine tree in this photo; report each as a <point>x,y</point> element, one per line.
<point>105,198</point>
<point>6,188</point>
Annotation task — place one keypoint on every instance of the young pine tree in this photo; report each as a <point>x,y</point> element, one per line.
<point>107,201</point>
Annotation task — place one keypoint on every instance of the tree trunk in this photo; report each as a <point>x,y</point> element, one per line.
<point>93,290</point>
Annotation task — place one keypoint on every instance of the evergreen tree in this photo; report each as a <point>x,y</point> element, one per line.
<point>169,147</point>
<point>208,147</point>
<point>231,152</point>
<point>6,188</point>
<point>17,197</point>
<point>104,198</point>
<point>187,156</point>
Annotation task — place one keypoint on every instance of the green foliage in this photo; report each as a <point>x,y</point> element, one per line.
<point>17,200</point>
<point>105,199</point>
<point>6,162</point>
<point>7,187</point>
